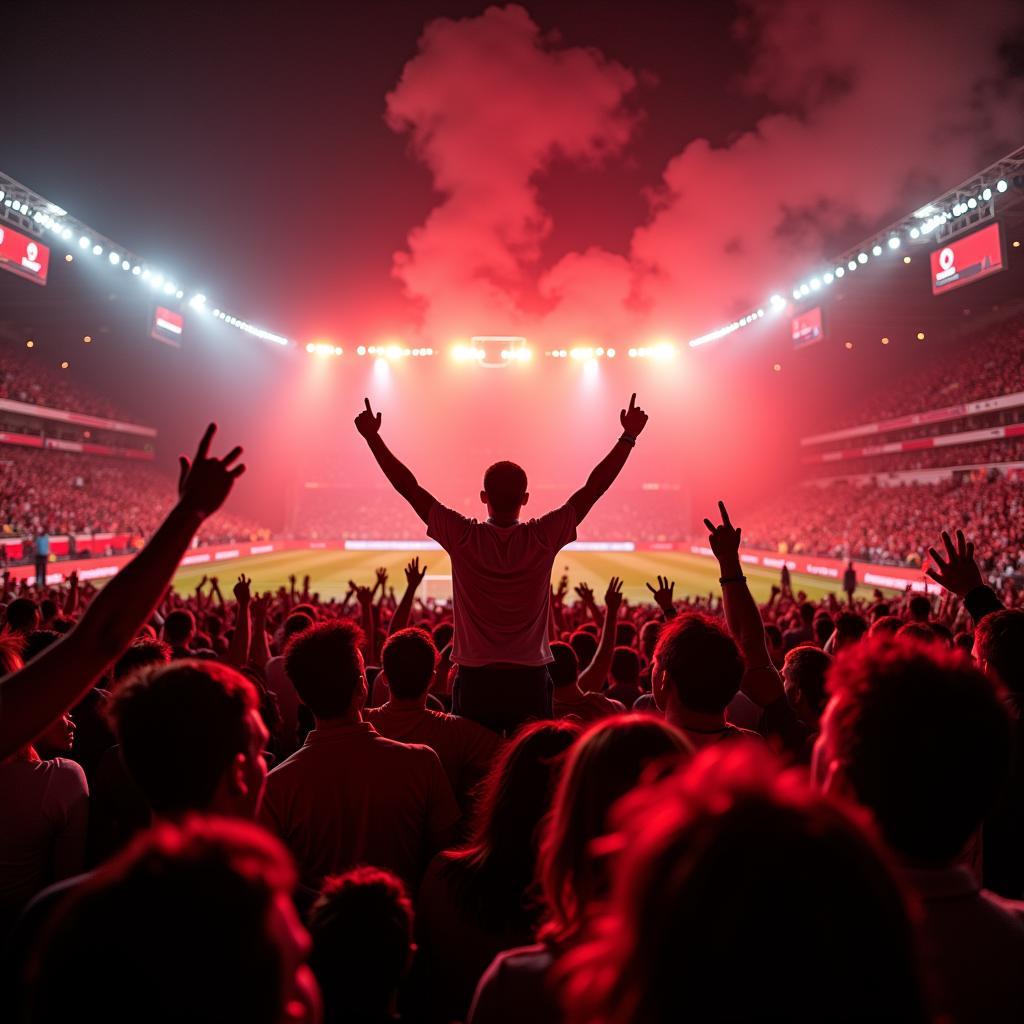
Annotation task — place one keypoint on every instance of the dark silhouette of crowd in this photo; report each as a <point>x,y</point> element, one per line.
<point>535,803</point>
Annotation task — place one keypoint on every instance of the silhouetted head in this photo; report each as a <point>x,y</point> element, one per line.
<point>803,673</point>
<point>189,922</point>
<point>697,665</point>
<point>409,660</point>
<point>504,491</point>
<point>23,615</point>
<point>565,669</point>
<point>918,736</point>
<point>999,649</point>
<point>325,665</point>
<point>179,627</point>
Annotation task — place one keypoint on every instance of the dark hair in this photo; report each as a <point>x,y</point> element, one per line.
<point>297,622</point>
<point>409,660</point>
<point>142,654</point>
<point>806,610</point>
<point>924,740</point>
<point>179,727</point>
<point>920,608</point>
<point>362,929</point>
<point>37,641</point>
<point>325,666</point>
<point>179,626</point>
<point>175,928</point>
<point>625,634</point>
<point>850,626</point>
<point>442,634</point>
<point>691,908</point>
<point>11,646</point>
<point>916,632</point>
<point>823,627</point>
<point>625,665</point>
<point>886,625</point>
<point>701,660</point>
<point>565,669</point>
<point>22,615</point>
<point>999,640</point>
<point>605,763</point>
<point>505,484</point>
<point>649,633</point>
<point>585,645</point>
<point>493,874</point>
<point>805,669</point>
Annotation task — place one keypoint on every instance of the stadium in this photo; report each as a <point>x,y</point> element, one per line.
<point>705,428</point>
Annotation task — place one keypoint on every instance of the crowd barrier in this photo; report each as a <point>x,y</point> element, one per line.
<point>889,577</point>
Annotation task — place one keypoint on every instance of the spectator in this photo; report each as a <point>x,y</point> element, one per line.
<point>732,831</point>
<point>347,772</point>
<point>922,741</point>
<point>625,675</point>
<point>197,920</point>
<point>501,573</point>
<point>803,673</point>
<point>280,686</point>
<point>570,699</point>
<point>362,931</point>
<point>466,750</point>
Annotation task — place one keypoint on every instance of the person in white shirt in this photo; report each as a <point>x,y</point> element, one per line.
<point>501,575</point>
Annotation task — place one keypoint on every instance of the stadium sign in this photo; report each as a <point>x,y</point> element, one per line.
<point>23,256</point>
<point>967,259</point>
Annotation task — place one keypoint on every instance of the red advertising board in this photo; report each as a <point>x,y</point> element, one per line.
<point>168,326</point>
<point>967,259</point>
<point>23,256</point>
<point>807,328</point>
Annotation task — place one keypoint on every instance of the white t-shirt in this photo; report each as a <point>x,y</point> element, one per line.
<point>501,580</point>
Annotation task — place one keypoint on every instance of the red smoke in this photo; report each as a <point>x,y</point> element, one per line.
<point>878,105</point>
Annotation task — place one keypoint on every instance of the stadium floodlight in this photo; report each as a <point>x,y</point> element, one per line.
<point>840,271</point>
<point>815,283</point>
<point>169,288</point>
<point>972,203</point>
<point>610,353</point>
<point>66,234</point>
<point>796,293</point>
<point>156,280</point>
<point>1001,185</point>
<point>894,242</point>
<point>361,350</point>
<point>852,265</point>
<point>114,258</point>
<point>146,274</point>
<point>198,301</point>
<point>986,194</point>
<point>876,250</point>
<point>862,258</point>
<point>97,249</point>
<point>805,290</point>
<point>632,353</point>
<point>126,265</point>
<point>914,233</point>
<point>827,277</point>
<point>179,294</point>
<point>84,242</point>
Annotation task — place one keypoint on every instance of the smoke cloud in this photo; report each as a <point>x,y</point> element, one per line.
<point>875,107</point>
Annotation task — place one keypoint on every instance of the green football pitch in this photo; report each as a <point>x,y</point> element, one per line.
<point>330,571</point>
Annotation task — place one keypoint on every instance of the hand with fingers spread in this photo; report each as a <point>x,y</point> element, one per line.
<point>725,543</point>
<point>382,577</point>
<point>613,595</point>
<point>204,482</point>
<point>958,572</point>
<point>663,594</point>
<point>261,606</point>
<point>364,595</point>
<point>368,422</point>
<point>414,574</point>
<point>633,419</point>
<point>586,595</point>
<point>241,590</point>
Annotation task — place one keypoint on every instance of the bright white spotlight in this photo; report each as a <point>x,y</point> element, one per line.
<point>987,194</point>
<point>114,258</point>
<point>777,302</point>
<point>97,249</point>
<point>84,242</point>
<point>1001,185</point>
<point>198,301</point>
<point>894,242</point>
<point>125,265</point>
<point>862,258</point>
<point>169,288</point>
<point>972,203</point>
<point>815,283</point>
<point>610,353</point>
<point>310,347</point>
<point>136,270</point>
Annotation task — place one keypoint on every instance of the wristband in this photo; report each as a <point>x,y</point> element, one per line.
<point>629,439</point>
<point>732,579</point>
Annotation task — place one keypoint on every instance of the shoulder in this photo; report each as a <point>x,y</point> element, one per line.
<point>68,774</point>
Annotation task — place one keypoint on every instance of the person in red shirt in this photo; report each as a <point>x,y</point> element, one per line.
<point>349,796</point>
<point>501,575</point>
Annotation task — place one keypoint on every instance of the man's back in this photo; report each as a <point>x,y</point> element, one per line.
<point>349,796</point>
<point>464,748</point>
<point>501,576</point>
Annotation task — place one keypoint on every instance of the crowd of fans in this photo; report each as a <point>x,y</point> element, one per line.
<point>534,803</point>
<point>989,363</point>
<point>24,377</point>
<point>892,525</point>
<point>61,493</point>
<point>986,453</point>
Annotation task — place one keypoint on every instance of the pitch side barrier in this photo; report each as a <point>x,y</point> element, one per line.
<point>888,577</point>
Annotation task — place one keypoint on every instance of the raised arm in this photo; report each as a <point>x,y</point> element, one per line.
<point>594,675</point>
<point>238,649</point>
<point>399,475</point>
<point>633,421</point>
<point>958,572</point>
<point>60,676</point>
<point>413,578</point>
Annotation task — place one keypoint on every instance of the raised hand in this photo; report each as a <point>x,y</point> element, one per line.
<point>663,593</point>
<point>261,606</point>
<point>205,482</point>
<point>958,572</point>
<point>725,539</point>
<point>241,590</point>
<point>633,419</point>
<point>414,574</point>
<point>368,423</point>
<point>586,595</point>
<point>364,595</point>
<point>382,577</point>
<point>563,588</point>
<point>613,595</point>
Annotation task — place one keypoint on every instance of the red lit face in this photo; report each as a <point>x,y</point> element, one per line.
<point>58,739</point>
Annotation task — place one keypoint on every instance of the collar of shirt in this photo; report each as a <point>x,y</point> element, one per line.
<point>327,732</point>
